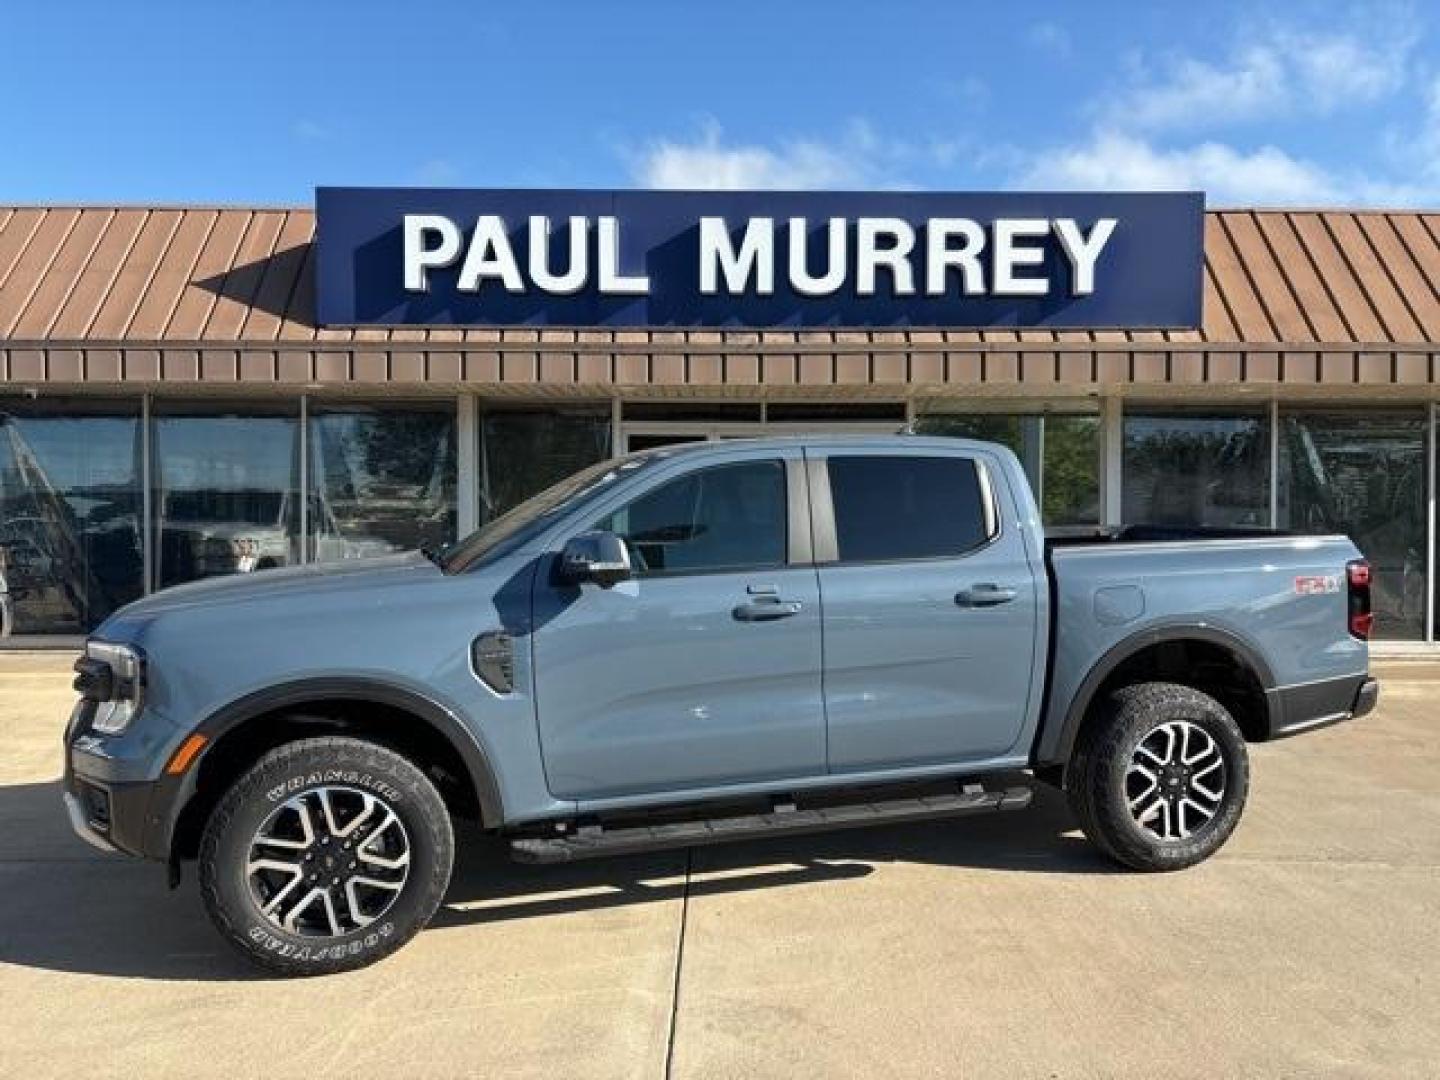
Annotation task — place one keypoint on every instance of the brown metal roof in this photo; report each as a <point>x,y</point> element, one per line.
<point>96,275</point>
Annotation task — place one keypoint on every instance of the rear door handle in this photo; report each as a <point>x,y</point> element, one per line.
<point>985,594</point>
<point>766,609</point>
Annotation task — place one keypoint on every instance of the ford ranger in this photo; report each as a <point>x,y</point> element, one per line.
<point>691,645</point>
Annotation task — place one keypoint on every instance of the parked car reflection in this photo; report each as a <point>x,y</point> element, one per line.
<point>70,543</point>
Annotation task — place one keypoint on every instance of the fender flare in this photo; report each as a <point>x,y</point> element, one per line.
<point>440,718</point>
<point>1058,750</point>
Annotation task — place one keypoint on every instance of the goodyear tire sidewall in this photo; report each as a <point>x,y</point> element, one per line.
<point>273,782</point>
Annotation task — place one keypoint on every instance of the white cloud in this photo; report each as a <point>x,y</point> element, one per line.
<point>309,131</point>
<point>1274,72</point>
<point>1251,86</point>
<point>969,92</point>
<point>1051,38</point>
<point>1115,161</point>
<point>1414,149</point>
<point>1161,128</point>
<point>707,163</point>
<point>1266,176</point>
<point>1341,71</point>
<point>861,158</point>
<point>1278,71</point>
<point>437,172</point>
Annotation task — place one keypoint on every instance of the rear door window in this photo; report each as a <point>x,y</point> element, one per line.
<point>891,508</point>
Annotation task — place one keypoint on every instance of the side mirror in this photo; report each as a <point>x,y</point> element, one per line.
<point>601,557</point>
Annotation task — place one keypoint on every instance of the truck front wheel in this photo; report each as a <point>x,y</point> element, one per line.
<point>328,855</point>
<point>1159,777</point>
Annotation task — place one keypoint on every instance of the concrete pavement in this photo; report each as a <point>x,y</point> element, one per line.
<point>1310,946</point>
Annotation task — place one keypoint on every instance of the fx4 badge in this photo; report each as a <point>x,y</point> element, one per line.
<point>1317,584</point>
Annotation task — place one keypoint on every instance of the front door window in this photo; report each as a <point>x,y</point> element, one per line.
<point>730,517</point>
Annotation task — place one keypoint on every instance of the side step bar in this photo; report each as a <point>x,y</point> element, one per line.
<point>594,841</point>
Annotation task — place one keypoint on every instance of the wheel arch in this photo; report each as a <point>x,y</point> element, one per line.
<point>405,719</point>
<point>1203,656</point>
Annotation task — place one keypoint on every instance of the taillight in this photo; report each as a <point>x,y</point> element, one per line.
<point>1357,577</point>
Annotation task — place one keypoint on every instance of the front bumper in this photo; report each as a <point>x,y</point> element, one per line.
<point>134,817</point>
<point>80,822</point>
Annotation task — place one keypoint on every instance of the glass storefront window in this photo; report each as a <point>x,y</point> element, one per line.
<point>226,483</point>
<point>382,478</point>
<point>1002,428</point>
<point>1071,492</point>
<point>1363,474</point>
<point>1068,466</point>
<point>1196,468</point>
<point>524,451</point>
<point>71,549</point>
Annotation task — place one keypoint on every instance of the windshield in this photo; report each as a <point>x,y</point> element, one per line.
<point>521,522</point>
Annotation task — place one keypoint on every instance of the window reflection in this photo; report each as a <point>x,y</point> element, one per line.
<point>1002,428</point>
<point>381,479</point>
<point>1071,492</point>
<point>1197,468</point>
<point>1068,465</point>
<point>70,543</point>
<point>525,451</point>
<point>226,484</point>
<point>724,518</point>
<point>893,508</point>
<point>1363,474</point>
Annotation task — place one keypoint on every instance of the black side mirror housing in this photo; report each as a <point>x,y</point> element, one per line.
<point>601,557</point>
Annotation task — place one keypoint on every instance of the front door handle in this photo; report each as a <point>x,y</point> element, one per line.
<point>766,608</point>
<point>985,594</point>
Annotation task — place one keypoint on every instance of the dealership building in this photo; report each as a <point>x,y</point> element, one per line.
<point>190,391</point>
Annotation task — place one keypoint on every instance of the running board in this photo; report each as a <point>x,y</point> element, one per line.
<point>594,841</point>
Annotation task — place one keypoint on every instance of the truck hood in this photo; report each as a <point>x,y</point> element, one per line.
<point>288,582</point>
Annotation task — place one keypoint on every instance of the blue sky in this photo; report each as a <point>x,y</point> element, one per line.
<point>1286,104</point>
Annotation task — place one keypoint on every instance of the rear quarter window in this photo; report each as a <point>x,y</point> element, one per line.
<point>889,508</point>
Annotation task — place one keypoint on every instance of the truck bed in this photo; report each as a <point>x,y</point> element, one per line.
<point>1080,535</point>
<point>1276,599</point>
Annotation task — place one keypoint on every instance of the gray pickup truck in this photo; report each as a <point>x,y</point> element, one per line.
<point>692,645</point>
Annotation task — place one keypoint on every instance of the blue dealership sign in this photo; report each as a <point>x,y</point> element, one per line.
<point>462,257</point>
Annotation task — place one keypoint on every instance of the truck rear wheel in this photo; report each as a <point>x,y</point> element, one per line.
<point>326,856</point>
<point>1159,779</point>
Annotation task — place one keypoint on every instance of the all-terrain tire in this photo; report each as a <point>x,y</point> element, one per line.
<point>1101,785</point>
<point>286,784</point>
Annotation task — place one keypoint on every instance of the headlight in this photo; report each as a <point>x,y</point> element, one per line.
<point>113,676</point>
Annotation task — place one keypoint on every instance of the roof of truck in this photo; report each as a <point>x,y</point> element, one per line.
<point>900,440</point>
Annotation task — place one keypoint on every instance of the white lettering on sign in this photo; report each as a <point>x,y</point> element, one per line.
<point>577,271</point>
<point>611,280</point>
<point>1016,247</point>
<point>421,254</point>
<point>942,256</point>
<point>755,259</point>
<point>490,257</point>
<point>830,282</point>
<point>1083,251</point>
<point>884,242</point>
